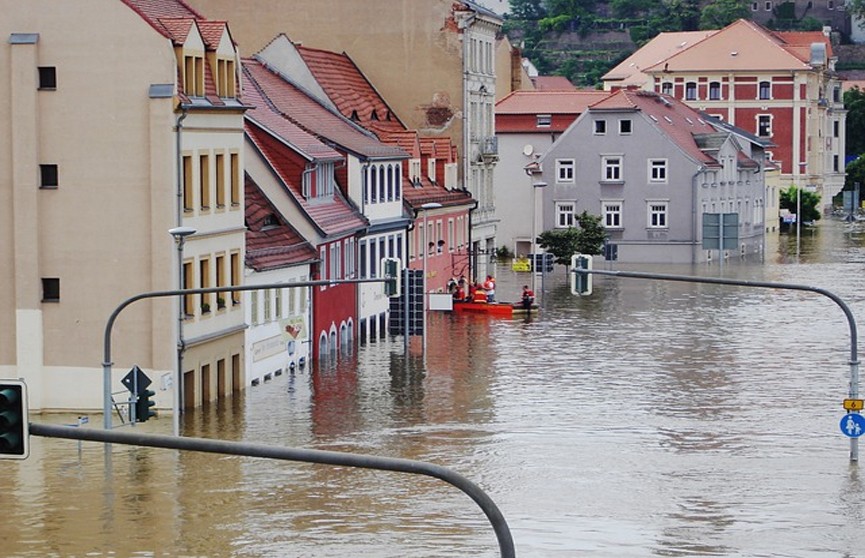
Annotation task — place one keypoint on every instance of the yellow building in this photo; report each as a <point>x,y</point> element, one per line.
<point>121,121</point>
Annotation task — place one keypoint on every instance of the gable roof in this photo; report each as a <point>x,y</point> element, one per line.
<point>271,242</point>
<point>672,118</point>
<point>630,71</point>
<point>745,45</point>
<point>348,88</point>
<point>332,217</point>
<point>549,102</point>
<point>313,117</point>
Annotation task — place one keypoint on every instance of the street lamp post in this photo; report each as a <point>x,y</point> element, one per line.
<point>179,234</point>
<point>426,207</point>
<point>535,187</point>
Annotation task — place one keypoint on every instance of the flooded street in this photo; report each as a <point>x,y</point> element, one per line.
<point>650,419</point>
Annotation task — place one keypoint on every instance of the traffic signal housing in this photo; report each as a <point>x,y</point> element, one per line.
<point>14,424</point>
<point>143,411</point>
<point>390,270</point>
<point>581,283</point>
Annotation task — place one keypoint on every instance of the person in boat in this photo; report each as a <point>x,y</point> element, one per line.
<point>480,294</point>
<point>490,288</point>
<point>528,297</point>
<point>459,293</point>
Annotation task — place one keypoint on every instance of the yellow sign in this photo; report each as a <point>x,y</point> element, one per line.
<point>853,404</point>
<point>522,264</point>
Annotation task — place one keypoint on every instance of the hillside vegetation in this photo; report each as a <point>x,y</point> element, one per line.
<point>583,39</point>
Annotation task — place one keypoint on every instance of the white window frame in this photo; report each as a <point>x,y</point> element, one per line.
<point>612,165</point>
<point>658,214</point>
<point>759,119</point>
<point>565,171</point>
<point>661,166</point>
<point>566,214</point>
<point>611,213</point>
<point>630,125</point>
<point>691,86</point>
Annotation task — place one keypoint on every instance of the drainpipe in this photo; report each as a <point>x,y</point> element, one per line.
<point>184,112</point>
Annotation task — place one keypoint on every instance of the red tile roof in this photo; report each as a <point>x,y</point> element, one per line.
<point>552,83</point>
<point>332,216</point>
<point>313,117</point>
<point>154,10</point>
<point>672,118</point>
<point>271,243</point>
<point>348,89</point>
<point>548,102</point>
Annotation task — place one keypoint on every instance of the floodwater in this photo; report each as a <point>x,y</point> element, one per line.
<point>650,419</point>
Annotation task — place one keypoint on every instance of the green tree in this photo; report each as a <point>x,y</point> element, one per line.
<point>721,13</point>
<point>809,203</point>
<point>854,102</point>
<point>588,238</point>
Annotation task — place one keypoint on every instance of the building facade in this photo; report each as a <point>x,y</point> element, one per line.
<point>89,195</point>
<point>652,169</point>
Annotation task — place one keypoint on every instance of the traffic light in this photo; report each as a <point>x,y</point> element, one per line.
<point>390,269</point>
<point>143,405</point>
<point>14,425</point>
<point>581,283</point>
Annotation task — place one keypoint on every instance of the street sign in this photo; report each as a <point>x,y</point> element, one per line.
<point>853,404</point>
<point>853,425</point>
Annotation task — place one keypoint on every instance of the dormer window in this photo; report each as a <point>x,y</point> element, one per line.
<point>193,75</point>
<point>269,222</point>
<point>225,78</point>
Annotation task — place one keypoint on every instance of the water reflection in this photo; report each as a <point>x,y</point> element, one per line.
<point>652,418</point>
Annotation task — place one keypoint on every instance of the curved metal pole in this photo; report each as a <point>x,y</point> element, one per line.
<point>106,340</point>
<point>854,358</point>
<point>497,520</point>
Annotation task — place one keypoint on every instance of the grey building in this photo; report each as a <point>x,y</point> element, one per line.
<point>652,168</point>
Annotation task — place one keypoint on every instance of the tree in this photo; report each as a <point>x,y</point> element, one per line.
<point>854,102</point>
<point>588,238</point>
<point>809,202</point>
<point>721,13</point>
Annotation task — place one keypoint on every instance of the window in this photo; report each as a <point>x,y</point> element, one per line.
<point>691,91</point>
<point>611,168</point>
<point>657,215</point>
<point>657,170</point>
<point>187,183</point>
<point>667,88</point>
<point>600,127</point>
<point>48,177</point>
<point>764,125</point>
<point>220,180</point>
<point>50,289</point>
<point>220,281</point>
<point>193,76</point>
<point>235,180</point>
<point>624,127</point>
<point>544,121</point>
<point>47,78</point>
<point>612,214</point>
<point>204,170</point>
<point>188,283</point>
<point>765,90</point>
<point>715,91</point>
<point>565,214</point>
<point>565,171</point>
<point>235,277</point>
<point>204,283</point>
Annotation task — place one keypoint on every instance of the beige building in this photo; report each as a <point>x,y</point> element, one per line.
<point>121,122</point>
<point>437,63</point>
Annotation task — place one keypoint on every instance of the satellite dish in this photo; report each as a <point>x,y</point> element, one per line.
<point>528,149</point>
